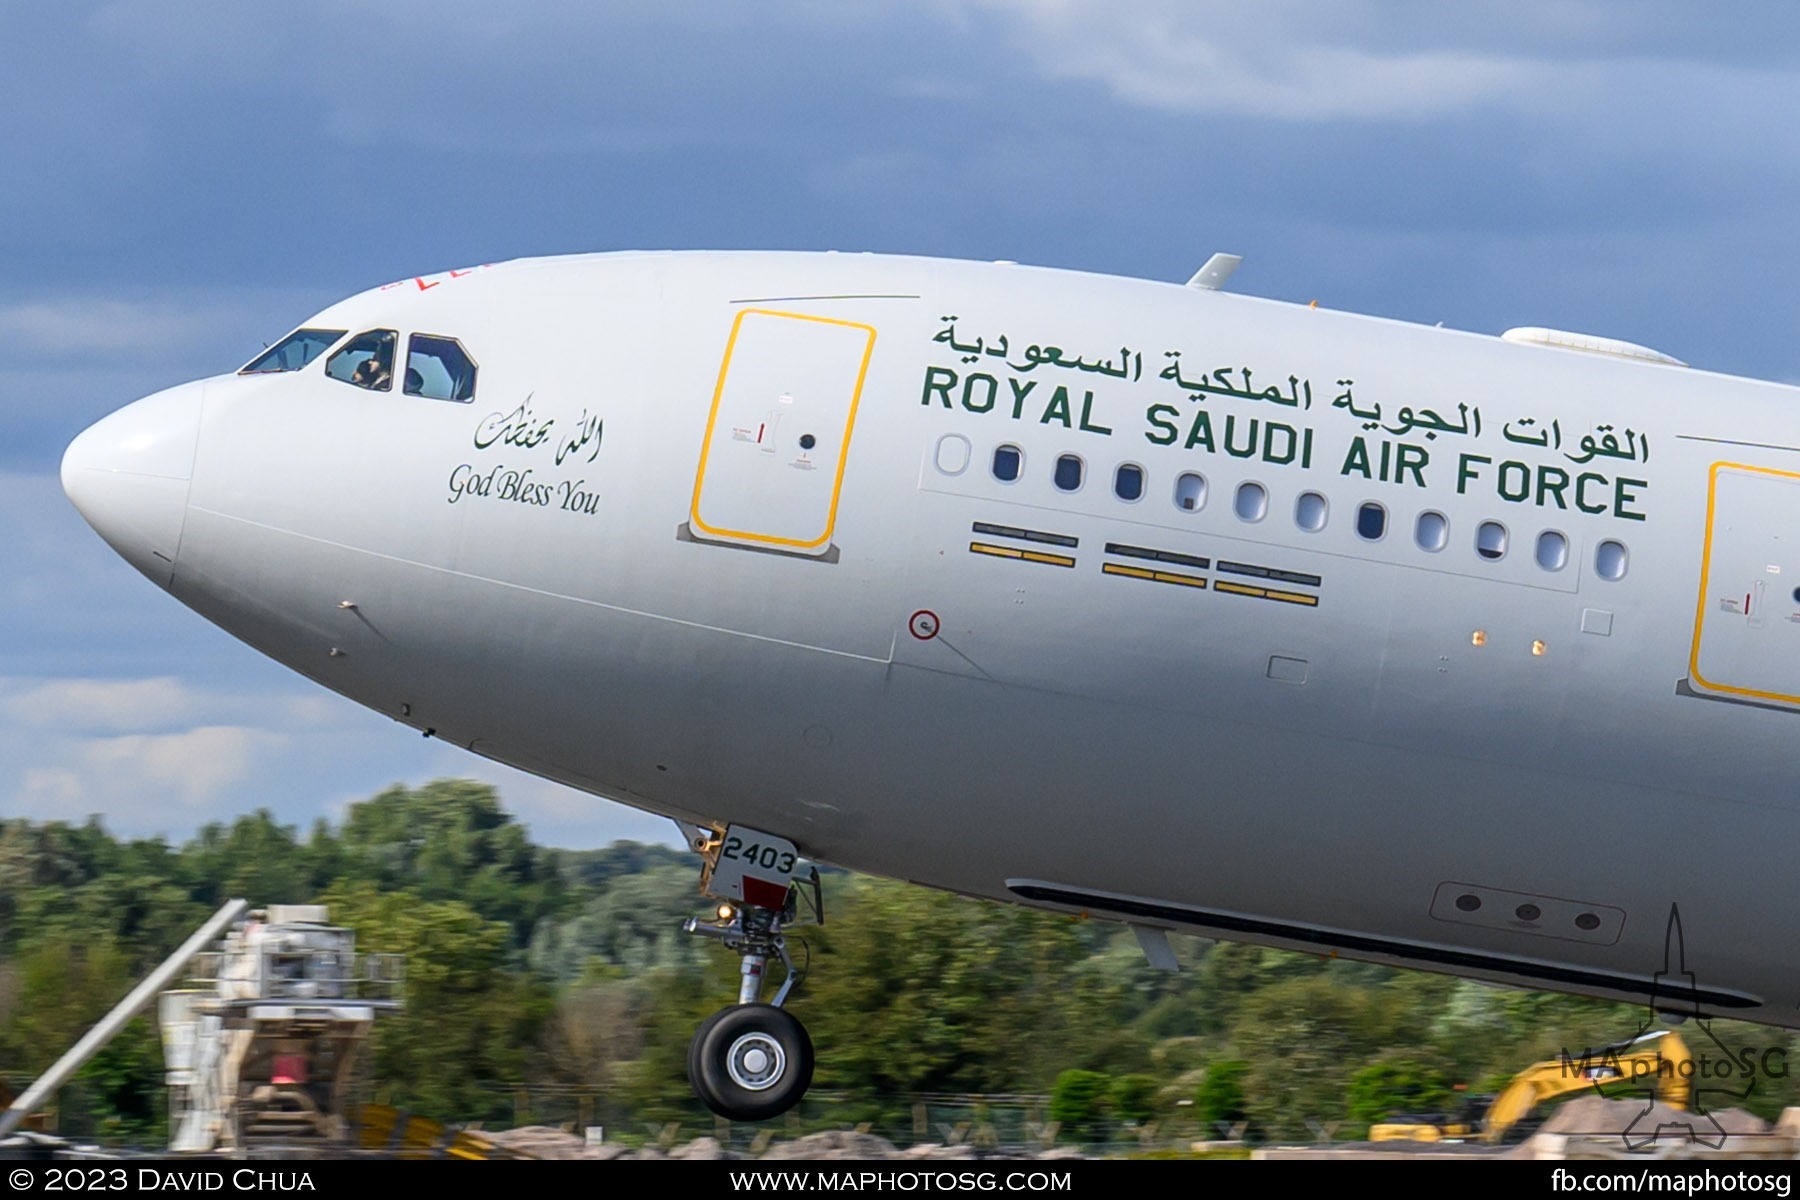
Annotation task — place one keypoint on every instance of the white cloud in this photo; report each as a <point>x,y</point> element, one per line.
<point>1193,57</point>
<point>164,755</point>
<point>1311,60</point>
<point>193,768</point>
<point>97,705</point>
<point>139,781</point>
<point>1162,69</point>
<point>49,790</point>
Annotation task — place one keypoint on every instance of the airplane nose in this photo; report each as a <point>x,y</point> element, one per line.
<point>128,474</point>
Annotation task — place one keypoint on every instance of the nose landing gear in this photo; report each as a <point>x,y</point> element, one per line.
<point>752,1061</point>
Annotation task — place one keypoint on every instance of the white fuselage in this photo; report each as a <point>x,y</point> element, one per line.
<point>620,566</point>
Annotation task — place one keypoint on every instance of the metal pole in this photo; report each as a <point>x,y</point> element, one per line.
<point>116,1020</point>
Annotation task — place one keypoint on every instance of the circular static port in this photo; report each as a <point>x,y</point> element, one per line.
<point>1468,902</point>
<point>1528,912</point>
<point>1587,921</point>
<point>808,441</point>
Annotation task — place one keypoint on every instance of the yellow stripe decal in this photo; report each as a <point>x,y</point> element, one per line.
<point>1193,581</point>
<point>1238,589</point>
<point>1054,560</point>
<point>1293,598</point>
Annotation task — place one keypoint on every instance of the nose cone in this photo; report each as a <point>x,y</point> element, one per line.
<point>128,474</point>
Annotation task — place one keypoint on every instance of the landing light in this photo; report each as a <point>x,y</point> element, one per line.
<point>726,912</point>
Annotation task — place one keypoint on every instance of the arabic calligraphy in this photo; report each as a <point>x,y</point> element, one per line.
<point>1635,447</point>
<point>1130,363</point>
<point>1218,382</point>
<point>1407,419</point>
<point>588,429</point>
<point>520,428</point>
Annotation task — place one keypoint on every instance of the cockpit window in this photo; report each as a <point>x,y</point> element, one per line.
<point>438,368</point>
<point>293,351</point>
<point>367,360</point>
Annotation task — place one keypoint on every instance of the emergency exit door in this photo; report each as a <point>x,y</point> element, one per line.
<point>1747,627</point>
<point>772,465</point>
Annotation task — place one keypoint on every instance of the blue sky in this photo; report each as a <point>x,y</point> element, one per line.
<point>184,183</point>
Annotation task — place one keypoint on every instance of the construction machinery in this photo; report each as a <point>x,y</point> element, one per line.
<point>1658,1063</point>
<point>266,1048</point>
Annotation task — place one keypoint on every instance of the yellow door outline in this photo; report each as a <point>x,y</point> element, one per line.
<point>1712,490</point>
<point>712,419</point>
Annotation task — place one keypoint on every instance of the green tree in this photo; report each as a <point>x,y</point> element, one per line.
<point>1304,1038</point>
<point>1219,1102</point>
<point>466,1034</point>
<point>1134,1098</point>
<point>451,840</point>
<point>916,990</point>
<point>1079,1103</point>
<point>1391,1087</point>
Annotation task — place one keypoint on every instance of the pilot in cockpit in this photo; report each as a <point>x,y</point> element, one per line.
<point>370,373</point>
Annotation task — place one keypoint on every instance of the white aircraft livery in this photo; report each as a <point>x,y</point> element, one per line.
<point>1171,606</point>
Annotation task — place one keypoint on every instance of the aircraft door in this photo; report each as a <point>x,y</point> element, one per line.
<point>1747,627</point>
<point>772,464</point>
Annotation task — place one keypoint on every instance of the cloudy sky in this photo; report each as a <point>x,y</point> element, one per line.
<point>182,183</point>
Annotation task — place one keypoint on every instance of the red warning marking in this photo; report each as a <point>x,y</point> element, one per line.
<point>764,894</point>
<point>923,624</point>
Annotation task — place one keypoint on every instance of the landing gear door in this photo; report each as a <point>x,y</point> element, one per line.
<point>1747,628</point>
<point>776,442</point>
<point>751,868</point>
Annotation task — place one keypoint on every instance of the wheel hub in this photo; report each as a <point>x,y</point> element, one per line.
<point>755,1062</point>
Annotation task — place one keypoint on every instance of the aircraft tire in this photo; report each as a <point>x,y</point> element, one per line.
<point>696,1078</point>
<point>750,1062</point>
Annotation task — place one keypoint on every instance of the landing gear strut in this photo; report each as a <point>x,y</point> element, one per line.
<point>751,1061</point>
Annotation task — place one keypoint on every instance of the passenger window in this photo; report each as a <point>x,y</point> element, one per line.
<point>367,360</point>
<point>1490,541</point>
<point>1190,492</point>
<point>953,454</point>
<point>1310,511</point>
<point>1068,473</point>
<point>1128,482</point>
<point>438,368</point>
<point>1252,502</point>
<point>1610,560</point>
<point>1007,461</point>
<point>1432,532</point>
<point>1371,522</point>
<point>1552,550</point>
<point>293,351</point>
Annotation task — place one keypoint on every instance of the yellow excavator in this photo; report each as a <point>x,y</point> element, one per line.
<point>1655,1060</point>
